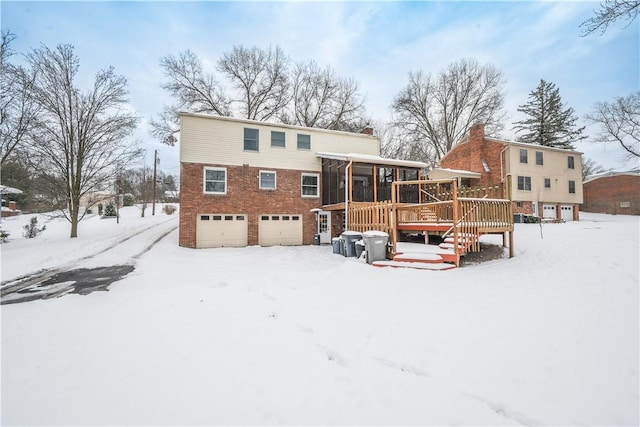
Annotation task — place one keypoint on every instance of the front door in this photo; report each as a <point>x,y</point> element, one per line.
<point>324,227</point>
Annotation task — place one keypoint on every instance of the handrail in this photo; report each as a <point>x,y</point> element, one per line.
<point>457,224</point>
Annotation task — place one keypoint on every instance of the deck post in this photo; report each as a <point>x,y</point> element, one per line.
<point>511,244</point>
<point>454,188</point>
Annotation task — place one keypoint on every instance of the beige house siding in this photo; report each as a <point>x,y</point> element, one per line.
<point>555,168</point>
<point>220,140</point>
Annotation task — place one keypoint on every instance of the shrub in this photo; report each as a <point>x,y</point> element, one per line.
<point>128,199</point>
<point>169,209</point>
<point>31,230</point>
<point>530,219</point>
<point>4,236</point>
<point>110,211</point>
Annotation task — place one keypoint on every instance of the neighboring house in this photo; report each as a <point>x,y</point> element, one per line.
<point>613,193</point>
<point>90,201</point>
<point>244,182</point>
<point>544,181</point>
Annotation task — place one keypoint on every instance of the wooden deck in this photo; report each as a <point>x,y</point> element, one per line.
<point>460,219</point>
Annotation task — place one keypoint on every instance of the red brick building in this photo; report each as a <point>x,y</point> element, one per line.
<point>545,181</point>
<point>244,182</point>
<point>616,193</point>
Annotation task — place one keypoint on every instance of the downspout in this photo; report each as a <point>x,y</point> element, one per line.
<point>346,195</point>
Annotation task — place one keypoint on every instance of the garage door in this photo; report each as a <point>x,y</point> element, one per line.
<point>221,230</point>
<point>566,212</point>
<point>549,211</point>
<point>274,230</point>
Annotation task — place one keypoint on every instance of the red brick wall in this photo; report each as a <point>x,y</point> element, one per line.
<point>468,155</point>
<point>244,196</point>
<point>604,195</point>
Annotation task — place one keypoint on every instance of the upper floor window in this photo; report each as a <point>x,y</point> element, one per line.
<point>215,180</point>
<point>310,184</point>
<point>524,158</point>
<point>524,183</point>
<point>572,187</point>
<point>251,139</point>
<point>277,139</point>
<point>547,183</point>
<point>304,142</point>
<point>267,180</point>
<point>570,162</point>
<point>539,158</point>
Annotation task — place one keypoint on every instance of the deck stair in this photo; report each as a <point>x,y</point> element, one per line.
<point>466,241</point>
<point>420,261</point>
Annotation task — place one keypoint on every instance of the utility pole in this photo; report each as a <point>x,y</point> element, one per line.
<point>155,167</point>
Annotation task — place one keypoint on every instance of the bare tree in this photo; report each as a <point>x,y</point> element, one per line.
<point>323,100</point>
<point>438,111</point>
<point>193,90</point>
<point>590,167</point>
<point>261,78</point>
<point>619,123</point>
<point>17,109</point>
<point>79,137</point>
<point>610,11</point>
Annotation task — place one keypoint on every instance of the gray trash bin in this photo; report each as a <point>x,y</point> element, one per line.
<point>359,248</point>
<point>375,243</point>
<point>335,242</point>
<point>350,238</point>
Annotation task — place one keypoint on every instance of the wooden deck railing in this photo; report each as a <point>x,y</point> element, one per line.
<point>467,216</point>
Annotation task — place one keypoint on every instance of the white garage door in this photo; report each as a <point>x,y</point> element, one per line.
<point>566,212</point>
<point>221,230</point>
<point>274,230</point>
<point>549,211</point>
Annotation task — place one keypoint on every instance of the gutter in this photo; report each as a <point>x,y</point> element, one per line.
<point>346,195</point>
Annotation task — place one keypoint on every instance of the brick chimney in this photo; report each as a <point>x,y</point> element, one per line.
<point>476,132</point>
<point>12,205</point>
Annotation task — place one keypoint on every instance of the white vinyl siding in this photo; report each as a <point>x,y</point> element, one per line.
<point>219,141</point>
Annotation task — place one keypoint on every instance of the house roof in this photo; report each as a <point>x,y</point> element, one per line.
<point>276,125</point>
<point>370,159</point>
<point>635,172</point>
<point>445,173</point>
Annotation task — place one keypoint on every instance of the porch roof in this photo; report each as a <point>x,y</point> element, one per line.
<point>371,159</point>
<point>444,173</point>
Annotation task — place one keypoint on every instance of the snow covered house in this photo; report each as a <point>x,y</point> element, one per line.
<point>540,181</point>
<point>245,182</point>
<point>615,193</point>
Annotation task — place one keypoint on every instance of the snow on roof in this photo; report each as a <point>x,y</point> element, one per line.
<point>371,159</point>
<point>634,172</point>
<point>445,172</point>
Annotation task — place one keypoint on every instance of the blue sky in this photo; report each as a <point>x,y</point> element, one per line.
<point>376,43</point>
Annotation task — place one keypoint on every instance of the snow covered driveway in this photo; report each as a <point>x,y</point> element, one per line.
<point>297,335</point>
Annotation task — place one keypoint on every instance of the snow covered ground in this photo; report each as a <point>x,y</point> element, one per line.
<point>298,335</point>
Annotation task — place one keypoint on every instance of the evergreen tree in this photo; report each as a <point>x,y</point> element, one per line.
<point>548,122</point>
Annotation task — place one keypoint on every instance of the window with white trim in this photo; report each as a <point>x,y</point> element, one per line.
<point>572,187</point>
<point>524,183</point>
<point>310,185</point>
<point>547,183</point>
<point>570,162</point>
<point>524,156</point>
<point>304,142</point>
<point>251,139</point>
<point>215,181</point>
<point>277,139</point>
<point>267,180</point>
<point>539,158</point>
